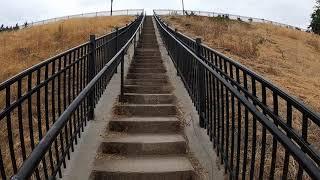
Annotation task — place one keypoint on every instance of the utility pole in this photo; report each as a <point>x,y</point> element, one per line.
<point>111,7</point>
<point>182,7</point>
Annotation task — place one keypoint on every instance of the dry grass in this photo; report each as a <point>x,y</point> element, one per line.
<point>22,49</point>
<point>289,58</point>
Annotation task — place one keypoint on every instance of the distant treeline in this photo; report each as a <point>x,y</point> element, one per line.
<point>4,28</point>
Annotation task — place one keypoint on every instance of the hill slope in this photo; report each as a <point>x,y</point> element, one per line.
<point>289,58</point>
<point>24,48</point>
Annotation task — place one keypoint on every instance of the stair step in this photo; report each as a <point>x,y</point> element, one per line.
<point>148,89</point>
<point>148,64</point>
<point>146,110</point>
<point>143,168</point>
<point>145,125</point>
<point>144,144</point>
<point>147,76</point>
<point>147,70</point>
<point>149,98</point>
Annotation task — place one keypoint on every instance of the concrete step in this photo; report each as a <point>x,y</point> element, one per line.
<point>147,70</point>
<point>147,46</point>
<point>141,125</point>
<point>146,63</point>
<point>143,168</point>
<point>149,53</point>
<point>145,110</point>
<point>147,76</point>
<point>149,98</point>
<point>145,60</point>
<point>147,82</point>
<point>144,144</point>
<point>148,89</point>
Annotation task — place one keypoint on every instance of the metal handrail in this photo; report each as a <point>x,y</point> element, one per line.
<point>306,157</point>
<point>49,89</point>
<point>39,152</point>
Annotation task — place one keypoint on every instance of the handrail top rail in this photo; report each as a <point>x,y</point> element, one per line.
<point>293,100</point>
<point>45,143</point>
<point>295,151</point>
<point>25,72</point>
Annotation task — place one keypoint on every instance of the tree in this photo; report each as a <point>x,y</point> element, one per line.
<point>315,19</point>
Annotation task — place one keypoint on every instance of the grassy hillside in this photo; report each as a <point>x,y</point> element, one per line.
<point>24,48</point>
<point>289,58</point>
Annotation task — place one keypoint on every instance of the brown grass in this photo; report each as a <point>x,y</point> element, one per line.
<point>22,49</point>
<point>287,57</point>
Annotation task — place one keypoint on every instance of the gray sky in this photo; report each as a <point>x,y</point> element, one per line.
<point>293,12</point>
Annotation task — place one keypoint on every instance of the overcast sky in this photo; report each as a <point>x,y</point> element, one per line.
<point>293,12</point>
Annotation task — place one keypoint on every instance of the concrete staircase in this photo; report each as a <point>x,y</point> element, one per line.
<point>148,143</point>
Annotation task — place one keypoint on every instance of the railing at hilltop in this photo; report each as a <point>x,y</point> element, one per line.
<point>230,16</point>
<point>126,12</point>
<point>258,130</point>
<point>44,109</point>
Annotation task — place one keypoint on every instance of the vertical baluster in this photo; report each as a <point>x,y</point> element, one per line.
<point>68,56</point>
<point>30,112</point>
<point>246,133</point>
<point>40,121</point>
<point>81,78</point>
<point>222,123</point>
<point>46,112</point>
<point>254,133</point>
<point>218,117</point>
<point>20,119</point>
<point>287,155</point>
<point>78,90</point>
<point>238,140</point>
<point>9,129</point>
<point>264,136</point>
<point>305,138</point>
<point>211,96</point>
<point>274,140</point>
<point>232,135</point>
<point>227,130</point>
<point>215,107</point>
<point>64,89</point>
<point>54,115</point>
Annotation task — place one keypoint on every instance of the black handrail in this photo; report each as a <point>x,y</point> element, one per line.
<point>215,84</point>
<point>36,98</point>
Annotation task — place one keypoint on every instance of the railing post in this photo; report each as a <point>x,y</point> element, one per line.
<point>117,45</point>
<point>201,83</point>
<point>122,78</point>
<point>91,74</point>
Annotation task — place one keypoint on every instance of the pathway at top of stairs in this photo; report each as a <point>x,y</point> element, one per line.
<point>147,141</point>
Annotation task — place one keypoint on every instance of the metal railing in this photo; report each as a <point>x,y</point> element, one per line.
<point>125,12</point>
<point>230,16</point>
<point>44,109</point>
<point>258,130</point>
